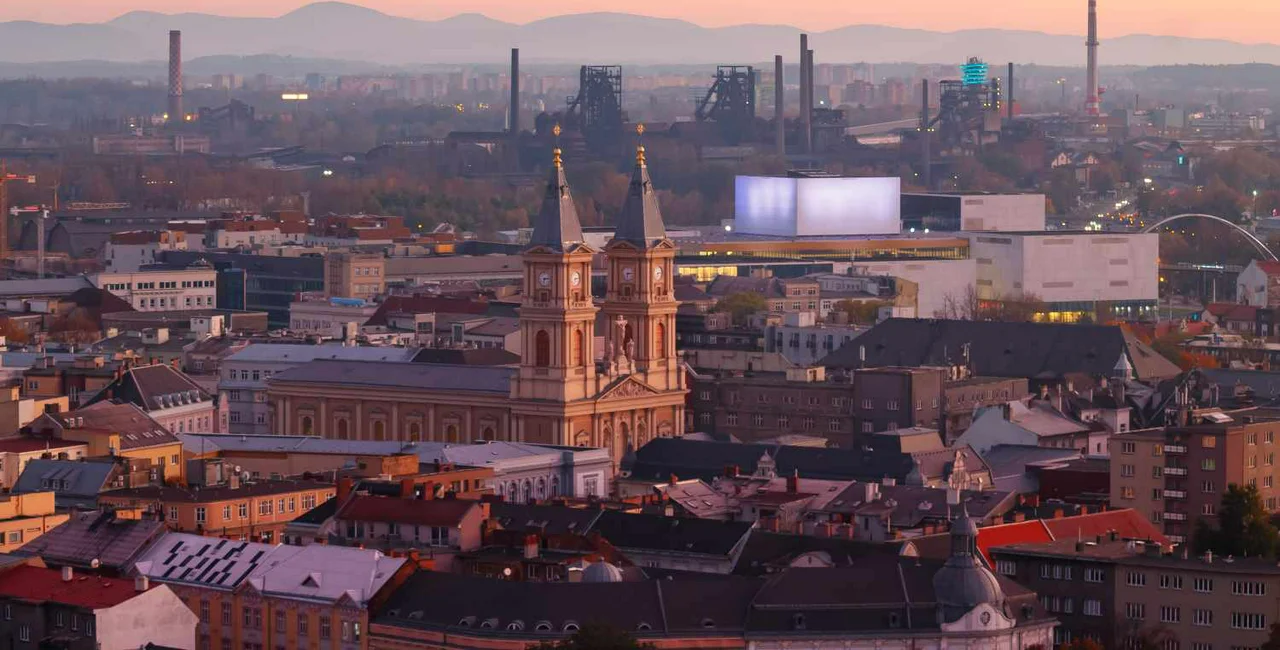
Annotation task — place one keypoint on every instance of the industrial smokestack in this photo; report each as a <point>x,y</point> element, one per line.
<point>779,103</point>
<point>175,76</point>
<point>514,119</point>
<point>1093,105</point>
<point>806,97</point>
<point>1009,94</point>
<point>926,174</point>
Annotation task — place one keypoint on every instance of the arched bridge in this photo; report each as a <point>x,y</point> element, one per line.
<point>1257,243</point>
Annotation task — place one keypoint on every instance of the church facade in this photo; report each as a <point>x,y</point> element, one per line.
<point>564,391</point>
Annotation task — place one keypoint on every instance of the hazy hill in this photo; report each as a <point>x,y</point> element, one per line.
<point>334,30</point>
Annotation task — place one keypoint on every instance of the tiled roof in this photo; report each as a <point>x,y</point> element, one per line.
<point>160,386</point>
<point>411,376</point>
<point>1127,523</point>
<point>23,444</point>
<point>95,535</point>
<point>436,512</point>
<point>1233,311</point>
<point>543,519</point>
<point>1268,267</point>
<point>46,585</point>
<point>136,429</point>
<point>659,533</point>
<point>425,304</point>
<point>82,480</point>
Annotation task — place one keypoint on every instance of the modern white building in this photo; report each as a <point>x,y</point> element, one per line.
<point>973,212</point>
<point>194,287</point>
<point>1074,274</point>
<point>329,317</point>
<point>128,252</point>
<point>244,376</point>
<point>937,280</point>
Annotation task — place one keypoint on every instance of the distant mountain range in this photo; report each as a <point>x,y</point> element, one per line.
<point>339,31</point>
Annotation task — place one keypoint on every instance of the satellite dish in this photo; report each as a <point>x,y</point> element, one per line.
<point>95,563</point>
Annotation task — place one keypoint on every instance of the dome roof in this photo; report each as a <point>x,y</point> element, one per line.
<point>963,583</point>
<point>602,572</point>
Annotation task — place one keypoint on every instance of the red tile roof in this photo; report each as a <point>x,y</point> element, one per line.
<point>437,512</point>
<point>1128,523</point>
<point>46,585</point>
<point>23,445</point>
<point>1233,311</point>
<point>1268,267</point>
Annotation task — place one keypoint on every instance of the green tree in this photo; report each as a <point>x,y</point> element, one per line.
<point>1244,526</point>
<point>596,636</point>
<point>862,312</point>
<point>742,305</point>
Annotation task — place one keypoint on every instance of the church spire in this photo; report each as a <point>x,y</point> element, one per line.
<point>557,225</point>
<point>640,222</point>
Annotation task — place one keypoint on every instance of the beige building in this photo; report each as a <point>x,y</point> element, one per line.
<point>24,517</point>
<point>563,392</point>
<point>15,453</point>
<point>17,411</point>
<point>167,290</point>
<point>327,317</point>
<point>354,275</point>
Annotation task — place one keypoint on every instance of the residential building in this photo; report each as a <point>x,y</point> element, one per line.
<point>804,342</point>
<point>169,397</point>
<point>106,542</point>
<point>330,318</point>
<point>111,429</point>
<point>16,453</point>
<point>80,377</point>
<point>56,608</point>
<point>1116,591</point>
<point>274,596</point>
<point>75,484</point>
<point>787,296</point>
<point>258,282</point>
<point>441,527</point>
<point>1258,285</point>
<point>256,510</point>
<point>25,517</point>
<point>130,251</point>
<point>656,541</point>
<point>163,289</point>
<point>1177,475</point>
<point>243,377</point>
<point>354,275</point>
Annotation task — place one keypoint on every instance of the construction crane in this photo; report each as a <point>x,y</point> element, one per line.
<point>5,179</point>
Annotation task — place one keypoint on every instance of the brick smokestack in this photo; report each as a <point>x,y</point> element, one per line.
<point>806,97</point>
<point>514,119</point>
<point>175,76</point>
<point>779,100</point>
<point>1093,105</point>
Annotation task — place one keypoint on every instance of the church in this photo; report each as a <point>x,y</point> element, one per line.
<point>565,391</point>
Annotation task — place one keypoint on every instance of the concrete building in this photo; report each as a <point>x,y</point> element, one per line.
<point>1101,276</point>
<point>802,341</point>
<point>274,596</point>
<point>972,212</point>
<point>329,318</point>
<point>937,281</point>
<point>17,411</point>
<point>1116,591</point>
<point>1258,285</point>
<point>128,252</point>
<point>243,377</point>
<point>25,517</point>
<point>52,608</point>
<point>354,275</point>
<point>194,287</point>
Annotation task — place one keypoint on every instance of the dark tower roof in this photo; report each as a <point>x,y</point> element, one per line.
<point>963,583</point>
<point>557,225</point>
<point>640,222</point>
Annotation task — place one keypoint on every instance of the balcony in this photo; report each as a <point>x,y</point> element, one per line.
<point>1175,471</point>
<point>1175,449</point>
<point>1175,494</point>
<point>1175,516</point>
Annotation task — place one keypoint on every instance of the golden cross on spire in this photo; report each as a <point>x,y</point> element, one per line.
<point>640,147</point>
<point>555,153</point>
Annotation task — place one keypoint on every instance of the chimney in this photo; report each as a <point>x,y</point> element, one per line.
<point>806,96</point>
<point>530,547</point>
<point>1093,104</point>
<point>732,471</point>
<point>793,482</point>
<point>175,77</point>
<point>514,119</point>
<point>926,172</point>
<point>1009,94</point>
<point>345,485</point>
<point>779,101</point>
<point>233,480</point>
<point>673,479</point>
<point>67,574</point>
<point>141,584</point>
<point>428,491</point>
<point>406,488</point>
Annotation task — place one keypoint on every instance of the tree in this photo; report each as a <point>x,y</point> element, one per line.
<point>741,305</point>
<point>1244,526</point>
<point>863,312</point>
<point>1273,639</point>
<point>966,306</point>
<point>596,636</point>
<point>12,332</point>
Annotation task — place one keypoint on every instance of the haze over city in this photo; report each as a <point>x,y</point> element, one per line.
<point>1248,21</point>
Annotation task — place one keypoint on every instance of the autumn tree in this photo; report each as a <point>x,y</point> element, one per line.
<point>741,305</point>
<point>860,312</point>
<point>596,636</point>
<point>1244,526</point>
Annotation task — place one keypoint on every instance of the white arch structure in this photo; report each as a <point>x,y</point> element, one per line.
<point>1257,243</point>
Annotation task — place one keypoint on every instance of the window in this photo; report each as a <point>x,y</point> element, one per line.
<point>1244,621</point>
<point>1202,617</point>
<point>784,422</point>
<point>303,620</point>
<point>1007,567</point>
<point>1157,472</point>
<point>59,618</point>
<point>731,419</point>
<point>200,515</point>
<point>1208,442</point>
<point>226,513</point>
<point>1094,575</point>
<point>346,631</point>
<point>280,623</point>
<point>892,405</point>
<point>1170,614</point>
<point>1128,447</point>
<point>1209,465</point>
<point>244,510</point>
<point>24,633</point>
<point>1209,509</point>
<point>1126,493</point>
<point>1126,470</point>
<point>1202,585</point>
<point>833,424</point>
<point>1092,607</point>
<point>1136,579</point>
<point>226,613</point>
<point>1248,588</point>
<point>1168,581</point>
<point>1207,487</point>
<point>1135,611</point>
<point>866,404</point>
<point>264,507</point>
<point>325,629</point>
<point>173,513</point>
<point>757,420</point>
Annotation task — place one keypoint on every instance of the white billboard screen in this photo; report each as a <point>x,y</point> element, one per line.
<point>807,207</point>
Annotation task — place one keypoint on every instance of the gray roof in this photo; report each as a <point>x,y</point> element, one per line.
<point>478,454</point>
<point>387,374</point>
<point>556,225</point>
<point>95,535</point>
<point>45,287</point>
<point>284,352</point>
<point>317,572</point>
<point>1009,463</point>
<point>640,221</point>
<point>83,480</point>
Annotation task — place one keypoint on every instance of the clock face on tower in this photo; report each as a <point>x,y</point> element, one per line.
<point>628,274</point>
<point>657,273</point>
<point>576,278</point>
<point>544,279</point>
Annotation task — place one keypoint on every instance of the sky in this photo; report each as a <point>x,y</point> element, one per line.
<point>1248,21</point>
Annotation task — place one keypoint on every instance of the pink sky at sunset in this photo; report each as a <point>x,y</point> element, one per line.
<point>1247,21</point>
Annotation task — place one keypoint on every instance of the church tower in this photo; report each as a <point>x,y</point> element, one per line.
<point>640,305</point>
<point>557,316</point>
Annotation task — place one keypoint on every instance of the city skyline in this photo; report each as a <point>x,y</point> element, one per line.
<point>1245,21</point>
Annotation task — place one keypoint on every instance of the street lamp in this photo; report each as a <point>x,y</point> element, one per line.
<point>1253,211</point>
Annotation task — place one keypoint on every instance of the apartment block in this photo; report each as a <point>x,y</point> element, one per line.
<point>354,275</point>
<point>194,287</point>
